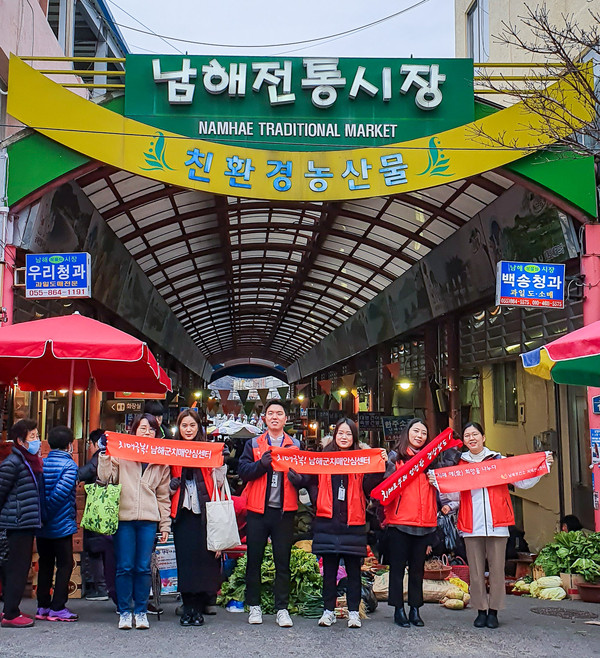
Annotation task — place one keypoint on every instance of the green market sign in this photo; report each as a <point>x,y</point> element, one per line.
<point>303,103</point>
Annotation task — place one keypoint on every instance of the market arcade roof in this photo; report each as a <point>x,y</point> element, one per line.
<point>267,280</point>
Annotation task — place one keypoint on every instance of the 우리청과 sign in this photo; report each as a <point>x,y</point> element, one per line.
<point>304,103</point>
<point>530,284</point>
<point>58,275</point>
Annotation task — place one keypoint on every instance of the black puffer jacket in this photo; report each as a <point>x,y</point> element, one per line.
<point>19,494</point>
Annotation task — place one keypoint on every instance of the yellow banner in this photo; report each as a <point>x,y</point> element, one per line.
<point>358,173</point>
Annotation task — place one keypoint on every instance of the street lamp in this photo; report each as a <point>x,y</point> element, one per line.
<point>343,392</point>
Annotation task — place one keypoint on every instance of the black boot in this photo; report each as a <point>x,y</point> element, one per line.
<point>481,619</point>
<point>492,619</point>
<point>414,618</point>
<point>400,617</point>
<point>187,618</point>
<point>197,618</point>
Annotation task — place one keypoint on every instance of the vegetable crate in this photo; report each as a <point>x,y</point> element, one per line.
<point>462,571</point>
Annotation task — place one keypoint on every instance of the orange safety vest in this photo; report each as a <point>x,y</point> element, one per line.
<point>256,490</point>
<point>176,473</point>
<point>355,499</point>
<point>416,505</point>
<point>503,514</point>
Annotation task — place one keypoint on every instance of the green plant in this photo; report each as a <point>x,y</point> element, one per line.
<point>306,583</point>
<point>572,552</point>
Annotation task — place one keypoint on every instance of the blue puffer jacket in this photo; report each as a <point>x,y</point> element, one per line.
<point>60,482</point>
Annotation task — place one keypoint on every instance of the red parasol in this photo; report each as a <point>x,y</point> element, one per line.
<point>66,351</point>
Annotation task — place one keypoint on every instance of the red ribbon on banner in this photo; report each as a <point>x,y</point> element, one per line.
<point>197,454</point>
<point>334,462</point>
<point>491,472</point>
<point>392,486</point>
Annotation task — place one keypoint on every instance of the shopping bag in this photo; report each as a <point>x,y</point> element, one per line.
<point>221,525</point>
<point>101,513</point>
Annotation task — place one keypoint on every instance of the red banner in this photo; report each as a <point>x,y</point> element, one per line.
<point>197,454</point>
<point>339,462</point>
<point>490,473</point>
<point>392,486</point>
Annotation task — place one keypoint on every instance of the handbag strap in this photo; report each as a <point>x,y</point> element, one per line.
<point>225,493</point>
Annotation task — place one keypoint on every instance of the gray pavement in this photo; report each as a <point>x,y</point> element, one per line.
<point>447,633</point>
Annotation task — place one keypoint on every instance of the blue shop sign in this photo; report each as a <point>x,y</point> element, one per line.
<point>58,275</point>
<point>530,284</point>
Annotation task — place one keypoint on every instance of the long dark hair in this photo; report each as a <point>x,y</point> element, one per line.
<point>192,413</point>
<point>402,445</point>
<point>151,421</point>
<point>353,428</point>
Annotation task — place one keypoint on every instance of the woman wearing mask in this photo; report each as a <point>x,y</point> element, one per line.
<point>198,569</point>
<point>409,521</point>
<point>144,507</point>
<point>340,530</point>
<point>21,482</point>
<point>483,520</point>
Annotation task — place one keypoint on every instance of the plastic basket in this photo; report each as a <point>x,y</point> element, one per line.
<point>462,571</point>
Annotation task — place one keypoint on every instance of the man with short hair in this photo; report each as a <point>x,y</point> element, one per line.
<point>272,503</point>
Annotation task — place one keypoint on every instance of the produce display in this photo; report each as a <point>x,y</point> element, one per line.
<point>548,588</point>
<point>306,584</point>
<point>572,552</point>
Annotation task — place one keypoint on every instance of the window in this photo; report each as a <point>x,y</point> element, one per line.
<point>478,31</point>
<point>505,392</point>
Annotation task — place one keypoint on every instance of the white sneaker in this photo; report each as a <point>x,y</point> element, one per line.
<point>283,619</point>
<point>354,620</point>
<point>327,618</point>
<point>125,621</point>
<point>255,616</point>
<point>141,621</point>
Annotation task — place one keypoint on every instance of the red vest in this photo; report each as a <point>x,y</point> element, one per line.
<point>256,490</point>
<point>416,506</point>
<point>355,498</point>
<point>176,473</point>
<point>500,504</point>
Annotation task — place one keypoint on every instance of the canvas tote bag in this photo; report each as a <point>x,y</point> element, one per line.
<point>221,525</point>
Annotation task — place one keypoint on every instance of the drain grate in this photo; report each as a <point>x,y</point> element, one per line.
<point>565,614</point>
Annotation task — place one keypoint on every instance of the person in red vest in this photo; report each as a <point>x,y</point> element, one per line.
<point>409,521</point>
<point>484,517</point>
<point>272,503</point>
<point>198,569</point>
<point>339,528</point>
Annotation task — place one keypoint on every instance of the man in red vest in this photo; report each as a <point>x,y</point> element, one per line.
<point>272,504</point>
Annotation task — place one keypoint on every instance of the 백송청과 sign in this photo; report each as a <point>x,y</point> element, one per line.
<point>530,284</point>
<point>58,275</point>
<point>304,103</point>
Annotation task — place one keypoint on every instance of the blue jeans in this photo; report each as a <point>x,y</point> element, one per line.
<point>134,541</point>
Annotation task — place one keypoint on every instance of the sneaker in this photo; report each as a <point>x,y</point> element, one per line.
<point>354,620</point>
<point>62,615</point>
<point>283,619</point>
<point>153,610</point>
<point>141,621</point>
<point>42,613</point>
<point>21,621</point>
<point>97,595</point>
<point>125,621</point>
<point>327,618</point>
<point>255,616</point>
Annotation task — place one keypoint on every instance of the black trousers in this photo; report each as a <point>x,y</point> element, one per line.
<point>16,570</point>
<point>405,549</point>
<point>195,601</point>
<point>54,552</point>
<point>331,562</point>
<point>280,527</point>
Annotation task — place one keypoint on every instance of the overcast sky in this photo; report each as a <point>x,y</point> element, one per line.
<point>424,29</point>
